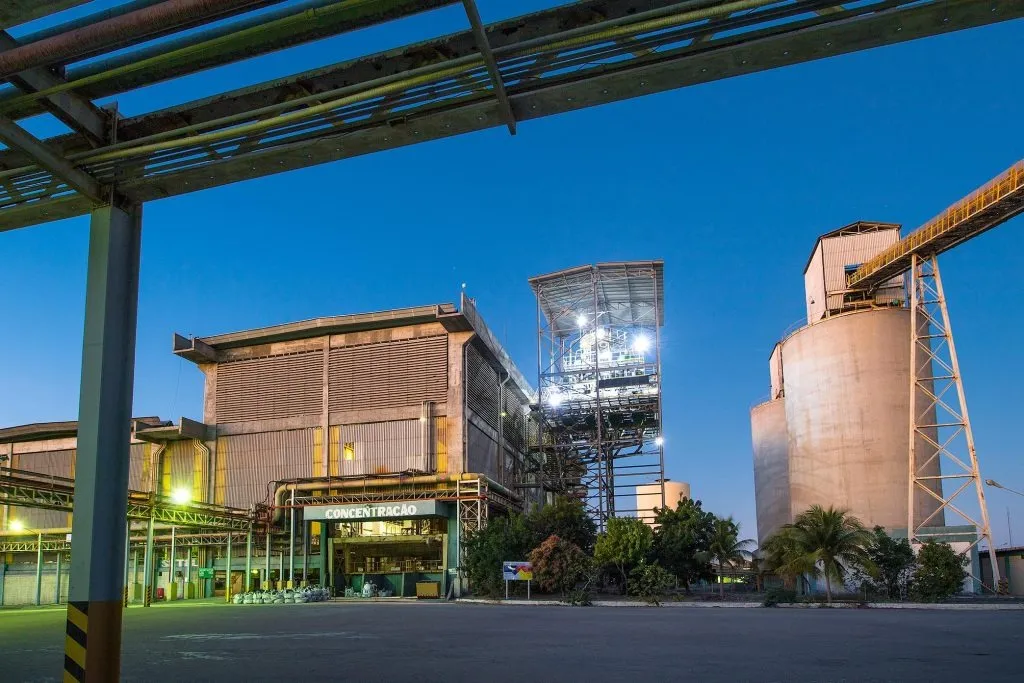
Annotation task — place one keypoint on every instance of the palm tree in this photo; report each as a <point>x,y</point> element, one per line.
<point>726,548</point>
<point>820,541</point>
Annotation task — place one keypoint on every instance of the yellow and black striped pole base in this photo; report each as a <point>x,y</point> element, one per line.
<point>92,645</point>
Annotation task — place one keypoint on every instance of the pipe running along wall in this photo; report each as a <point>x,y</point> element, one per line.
<point>376,482</point>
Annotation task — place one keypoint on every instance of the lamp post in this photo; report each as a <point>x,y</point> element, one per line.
<point>996,485</point>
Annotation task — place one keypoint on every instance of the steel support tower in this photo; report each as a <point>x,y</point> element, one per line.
<point>599,373</point>
<point>939,422</point>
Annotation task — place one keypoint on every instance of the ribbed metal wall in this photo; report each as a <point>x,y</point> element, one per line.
<point>138,469</point>
<point>482,391</point>
<point>252,461</point>
<point>389,374</point>
<point>483,454</point>
<point>57,463</point>
<point>179,457</point>
<point>385,447</point>
<point>270,387</point>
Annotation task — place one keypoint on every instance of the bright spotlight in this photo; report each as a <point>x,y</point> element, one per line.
<point>17,525</point>
<point>581,320</point>
<point>659,441</point>
<point>555,399</point>
<point>642,343</point>
<point>181,496</point>
<point>601,333</point>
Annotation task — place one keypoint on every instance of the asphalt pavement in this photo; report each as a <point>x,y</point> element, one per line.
<point>458,643</point>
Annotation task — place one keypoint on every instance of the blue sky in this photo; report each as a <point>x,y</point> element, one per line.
<point>730,183</point>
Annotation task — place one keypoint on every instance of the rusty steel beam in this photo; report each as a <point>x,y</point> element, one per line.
<point>116,31</point>
<point>16,136</point>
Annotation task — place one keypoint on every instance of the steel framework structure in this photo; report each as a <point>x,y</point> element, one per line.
<point>31,489</point>
<point>565,58</point>
<point>940,420</point>
<point>599,371</point>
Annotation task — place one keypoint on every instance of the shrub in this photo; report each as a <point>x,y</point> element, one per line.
<point>940,573</point>
<point>504,538</point>
<point>560,566</point>
<point>650,582</point>
<point>777,595</point>
<point>567,519</point>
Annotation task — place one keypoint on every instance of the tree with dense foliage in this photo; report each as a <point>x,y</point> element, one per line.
<point>504,538</point>
<point>940,573</point>
<point>559,566</point>
<point>683,540</point>
<point>567,519</point>
<point>726,549</point>
<point>624,545</point>
<point>649,581</point>
<point>894,562</point>
<point>821,542</point>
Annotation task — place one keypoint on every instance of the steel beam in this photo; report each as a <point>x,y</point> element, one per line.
<point>93,653</point>
<point>484,45</point>
<point>76,112</point>
<point>39,571</point>
<point>16,136</point>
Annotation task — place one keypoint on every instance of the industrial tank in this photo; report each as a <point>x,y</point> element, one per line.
<point>771,466</point>
<point>847,405</point>
<point>648,497</point>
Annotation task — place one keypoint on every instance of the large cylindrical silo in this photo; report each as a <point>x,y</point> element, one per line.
<point>847,406</point>
<point>771,466</point>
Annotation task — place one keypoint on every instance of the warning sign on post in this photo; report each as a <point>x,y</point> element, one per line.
<point>517,571</point>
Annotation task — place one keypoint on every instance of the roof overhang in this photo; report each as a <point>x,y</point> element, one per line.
<point>185,430</point>
<point>41,431</point>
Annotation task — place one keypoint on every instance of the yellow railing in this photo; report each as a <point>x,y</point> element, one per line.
<point>1007,183</point>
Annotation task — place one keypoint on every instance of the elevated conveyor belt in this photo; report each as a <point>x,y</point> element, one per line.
<point>990,205</point>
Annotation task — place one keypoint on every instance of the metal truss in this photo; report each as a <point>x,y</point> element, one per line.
<point>940,428</point>
<point>49,546</point>
<point>30,489</point>
<point>473,509</point>
<point>566,58</point>
<point>453,492</point>
<point>599,364</point>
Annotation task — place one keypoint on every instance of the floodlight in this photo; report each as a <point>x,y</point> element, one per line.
<point>17,525</point>
<point>659,441</point>
<point>641,343</point>
<point>581,320</point>
<point>181,496</point>
<point>555,399</point>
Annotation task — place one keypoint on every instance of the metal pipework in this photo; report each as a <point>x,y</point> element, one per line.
<point>116,31</point>
<point>376,482</point>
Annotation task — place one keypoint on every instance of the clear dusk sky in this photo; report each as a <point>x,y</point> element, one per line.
<point>730,183</point>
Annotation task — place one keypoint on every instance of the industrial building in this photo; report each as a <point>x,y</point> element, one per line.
<point>867,410</point>
<point>662,494</point>
<point>361,448</point>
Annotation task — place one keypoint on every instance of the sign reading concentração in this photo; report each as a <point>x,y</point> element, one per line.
<point>375,511</point>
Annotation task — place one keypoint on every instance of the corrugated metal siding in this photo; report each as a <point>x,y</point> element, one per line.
<point>57,463</point>
<point>179,457</point>
<point>253,461</point>
<point>389,374</point>
<point>851,250</point>
<point>482,391</point>
<point>384,448</point>
<point>138,467</point>
<point>441,444</point>
<point>483,453</point>
<point>271,387</point>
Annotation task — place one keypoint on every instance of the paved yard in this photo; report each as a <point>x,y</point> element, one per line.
<point>475,643</point>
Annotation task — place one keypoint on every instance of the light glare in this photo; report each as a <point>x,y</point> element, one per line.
<point>181,496</point>
<point>17,525</point>
<point>581,320</point>
<point>659,441</point>
<point>642,343</point>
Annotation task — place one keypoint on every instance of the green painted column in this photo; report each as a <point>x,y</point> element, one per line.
<point>147,566</point>
<point>56,589</point>
<point>324,551</point>
<point>101,466</point>
<point>248,561</point>
<point>39,569</point>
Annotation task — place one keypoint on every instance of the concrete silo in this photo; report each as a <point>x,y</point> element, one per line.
<point>836,430</point>
<point>648,497</point>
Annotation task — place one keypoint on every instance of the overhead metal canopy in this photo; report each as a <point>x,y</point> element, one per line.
<point>629,292</point>
<point>569,57</point>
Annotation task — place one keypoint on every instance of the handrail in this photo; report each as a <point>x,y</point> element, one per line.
<point>1008,183</point>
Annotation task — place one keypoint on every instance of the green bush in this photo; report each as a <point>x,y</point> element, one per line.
<point>940,573</point>
<point>650,582</point>
<point>504,538</point>
<point>776,595</point>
